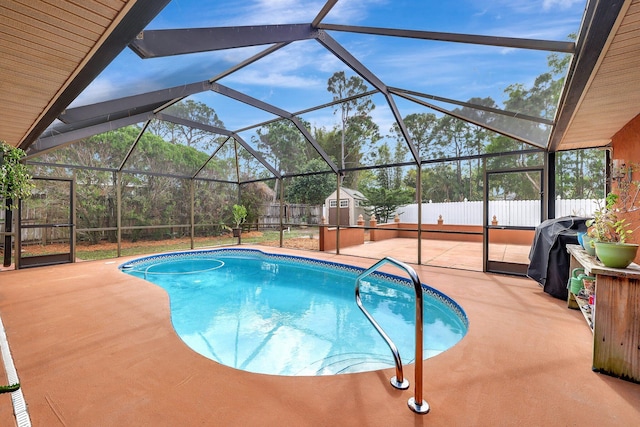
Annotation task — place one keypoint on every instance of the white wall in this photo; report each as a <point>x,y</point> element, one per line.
<point>514,213</point>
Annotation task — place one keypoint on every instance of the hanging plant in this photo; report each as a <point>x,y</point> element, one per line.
<point>15,180</point>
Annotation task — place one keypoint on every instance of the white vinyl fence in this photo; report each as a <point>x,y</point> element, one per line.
<point>507,212</point>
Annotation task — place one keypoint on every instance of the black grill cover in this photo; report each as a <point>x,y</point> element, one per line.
<point>548,257</point>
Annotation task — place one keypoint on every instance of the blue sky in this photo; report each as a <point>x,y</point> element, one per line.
<point>295,77</point>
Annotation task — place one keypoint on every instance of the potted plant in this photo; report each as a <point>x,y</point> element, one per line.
<point>15,180</point>
<point>609,234</point>
<point>15,184</point>
<point>239,217</point>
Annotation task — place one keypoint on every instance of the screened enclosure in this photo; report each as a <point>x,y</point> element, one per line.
<point>207,109</point>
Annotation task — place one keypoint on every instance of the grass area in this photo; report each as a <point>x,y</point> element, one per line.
<point>297,238</point>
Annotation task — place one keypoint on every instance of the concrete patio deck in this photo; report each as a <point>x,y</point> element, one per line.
<point>95,347</point>
<point>440,253</point>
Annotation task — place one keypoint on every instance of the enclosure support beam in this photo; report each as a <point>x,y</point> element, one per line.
<point>338,184</point>
<point>506,113</point>
<point>323,12</point>
<point>220,131</point>
<point>119,210</point>
<point>342,54</point>
<point>210,157</point>
<point>132,105</point>
<point>469,120</point>
<point>549,194</point>
<point>245,99</point>
<point>314,143</point>
<point>608,158</point>
<point>73,219</point>
<point>512,42</point>
<point>133,146</point>
<point>192,195</point>
<point>419,202</point>
<point>8,219</point>
<point>485,218</point>
<point>161,43</point>
<point>66,134</point>
<point>239,193</point>
<point>17,245</point>
<point>281,210</point>
<point>255,154</point>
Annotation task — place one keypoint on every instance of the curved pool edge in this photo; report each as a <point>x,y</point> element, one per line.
<point>404,281</point>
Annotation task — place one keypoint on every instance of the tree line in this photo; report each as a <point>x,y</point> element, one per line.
<point>377,163</point>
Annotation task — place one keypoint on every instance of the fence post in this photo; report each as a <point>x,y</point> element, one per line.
<point>322,230</point>
<point>373,223</point>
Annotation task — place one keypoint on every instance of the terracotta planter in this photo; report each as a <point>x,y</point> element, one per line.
<point>616,255</point>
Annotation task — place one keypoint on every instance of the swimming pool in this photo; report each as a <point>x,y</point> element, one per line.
<point>288,315</point>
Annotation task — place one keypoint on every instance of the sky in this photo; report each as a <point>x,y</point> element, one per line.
<point>295,77</point>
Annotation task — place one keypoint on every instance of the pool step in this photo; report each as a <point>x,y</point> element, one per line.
<point>350,363</point>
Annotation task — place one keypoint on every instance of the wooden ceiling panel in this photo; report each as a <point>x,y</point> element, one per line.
<point>113,4</point>
<point>622,58</point>
<point>100,8</point>
<point>29,25</point>
<point>43,46</point>
<point>25,42</point>
<point>102,17</point>
<point>44,68</point>
<point>613,97</point>
<point>22,110</point>
<point>38,35</point>
<point>58,18</point>
<point>8,44</point>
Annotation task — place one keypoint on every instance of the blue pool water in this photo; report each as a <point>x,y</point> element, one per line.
<point>286,315</point>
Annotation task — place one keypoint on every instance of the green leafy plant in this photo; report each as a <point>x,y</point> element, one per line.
<point>606,226</point>
<point>239,215</point>
<point>15,180</point>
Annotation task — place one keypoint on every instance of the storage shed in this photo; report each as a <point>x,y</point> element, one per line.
<point>352,204</point>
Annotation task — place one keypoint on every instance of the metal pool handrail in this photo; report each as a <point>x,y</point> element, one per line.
<point>416,403</point>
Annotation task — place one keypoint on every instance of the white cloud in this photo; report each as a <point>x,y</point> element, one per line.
<point>274,79</point>
<point>294,66</point>
<point>383,117</point>
<point>272,12</point>
<point>324,118</point>
<point>549,19</point>
<point>101,89</point>
<point>263,12</point>
<point>560,4</point>
<point>530,6</point>
<point>354,11</point>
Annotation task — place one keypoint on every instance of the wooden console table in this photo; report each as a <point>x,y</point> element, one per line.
<point>616,320</point>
